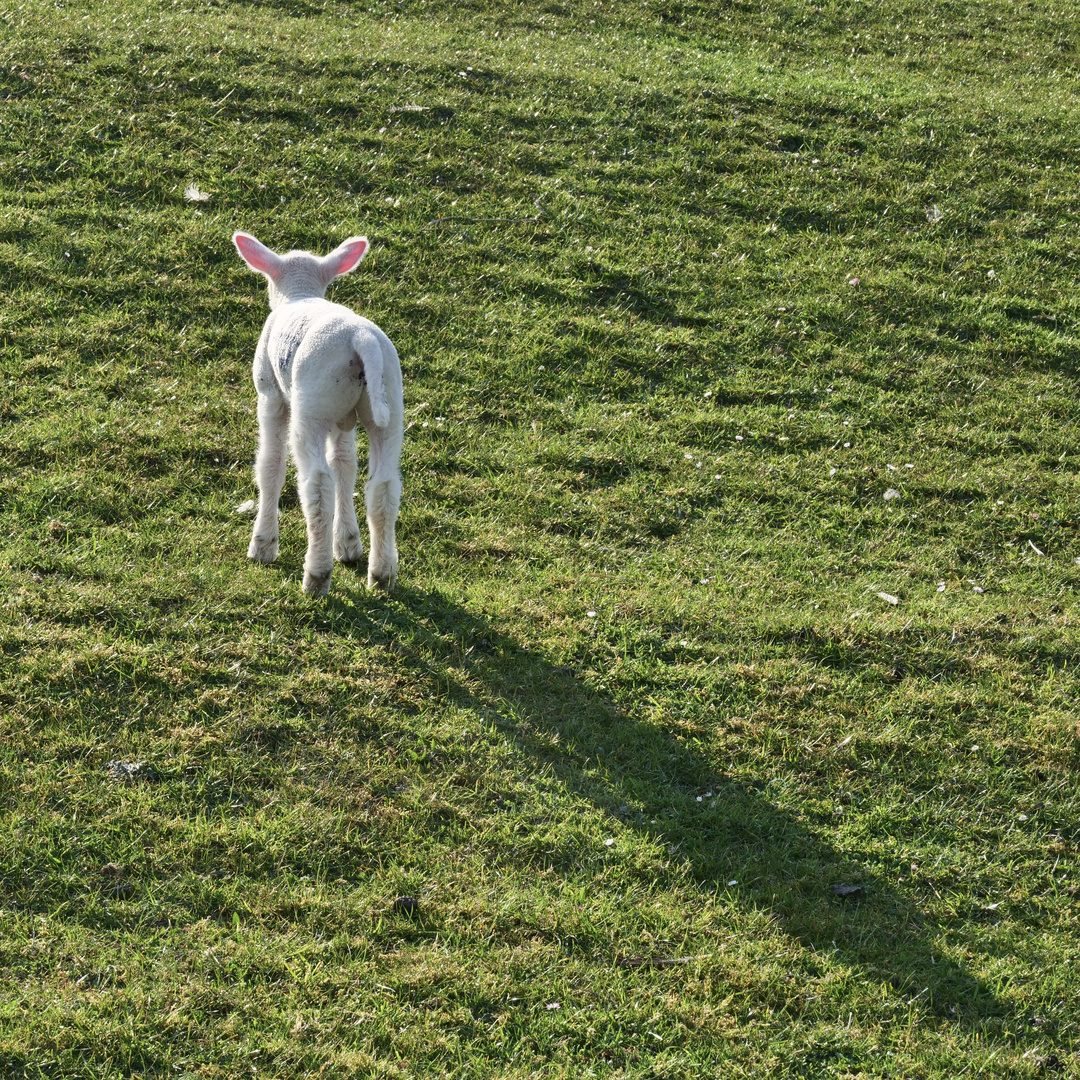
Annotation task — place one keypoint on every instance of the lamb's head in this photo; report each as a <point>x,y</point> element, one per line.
<point>299,275</point>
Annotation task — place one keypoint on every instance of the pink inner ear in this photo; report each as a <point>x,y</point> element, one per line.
<point>255,254</point>
<point>347,257</point>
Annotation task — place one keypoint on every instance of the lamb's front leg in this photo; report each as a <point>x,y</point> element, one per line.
<point>316,484</point>
<point>269,476</point>
<point>341,452</point>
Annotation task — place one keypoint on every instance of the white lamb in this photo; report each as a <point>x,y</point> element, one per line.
<point>320,367</point>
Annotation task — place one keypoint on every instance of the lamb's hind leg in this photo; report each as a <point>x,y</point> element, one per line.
<point>316,484</point>
<point>383,500</point>
<point>269,476</point>
<point>341,453</point>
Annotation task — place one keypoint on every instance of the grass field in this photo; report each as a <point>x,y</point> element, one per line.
<point>724,720</point>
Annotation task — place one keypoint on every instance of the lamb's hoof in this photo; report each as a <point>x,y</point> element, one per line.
<point>381,582</point>
<point>263,549</point>
<point>348,549</point>
<point>316,584</point>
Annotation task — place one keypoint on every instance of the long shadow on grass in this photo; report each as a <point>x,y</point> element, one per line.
<point>648,778</point>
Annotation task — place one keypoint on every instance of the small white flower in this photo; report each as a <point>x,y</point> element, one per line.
<point>193,194</point>
<point>551,1006</point>
<point>738,438</point>
<point>891,494</point>
<point>590,614</point>
<point>941,586</point>
<point>609,842</point>
<point>847,445</point>
<point>832,472</point>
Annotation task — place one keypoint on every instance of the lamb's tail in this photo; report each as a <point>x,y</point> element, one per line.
<point>369,348</point>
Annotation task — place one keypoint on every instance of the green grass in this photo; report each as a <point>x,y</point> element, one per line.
<point>637,704</point>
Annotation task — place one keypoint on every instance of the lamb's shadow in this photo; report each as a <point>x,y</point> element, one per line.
<point>647,777</point>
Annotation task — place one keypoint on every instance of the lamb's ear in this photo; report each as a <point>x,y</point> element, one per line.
<point>344,257</point>
<point>258,256</point>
